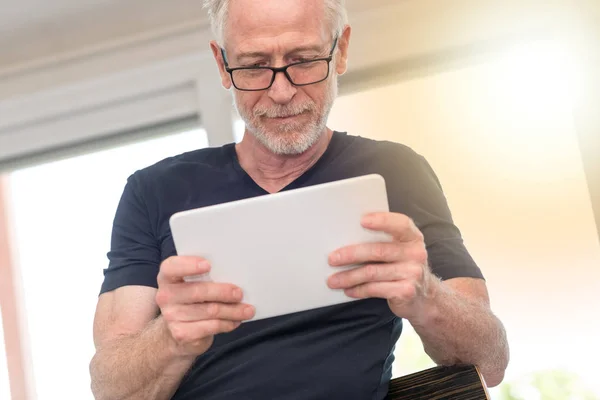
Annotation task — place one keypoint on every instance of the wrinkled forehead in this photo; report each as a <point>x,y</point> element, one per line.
<point>263,24</point>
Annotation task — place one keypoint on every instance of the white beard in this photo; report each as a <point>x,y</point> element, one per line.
<point>290,138</point>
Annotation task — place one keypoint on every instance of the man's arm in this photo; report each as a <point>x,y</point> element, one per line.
<point>141,356</point>
<point>134,356</point>
<point>457,325</point>
<point>453,319</point>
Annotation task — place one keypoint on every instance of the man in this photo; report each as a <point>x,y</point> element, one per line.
<point>159,337</point>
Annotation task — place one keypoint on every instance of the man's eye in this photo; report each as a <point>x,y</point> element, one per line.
<point>255,64</point>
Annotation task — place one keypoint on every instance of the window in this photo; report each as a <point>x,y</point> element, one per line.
<point>238,129</point>
<point>63,213</point>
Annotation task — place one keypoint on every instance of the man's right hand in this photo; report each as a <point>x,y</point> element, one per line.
<point>196,311</point>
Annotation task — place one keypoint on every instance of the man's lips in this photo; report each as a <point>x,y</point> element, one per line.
<point>287,117</point>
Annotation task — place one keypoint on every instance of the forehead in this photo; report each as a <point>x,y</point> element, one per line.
<point>264,24</point>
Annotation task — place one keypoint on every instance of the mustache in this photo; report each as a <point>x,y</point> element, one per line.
<point>279,111</point>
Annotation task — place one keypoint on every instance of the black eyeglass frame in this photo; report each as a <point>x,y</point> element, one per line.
<point>280,69</point>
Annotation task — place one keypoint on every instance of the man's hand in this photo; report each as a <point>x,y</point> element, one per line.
<point>453,319</point>
<point>196,311</point>
<point>396,271</point>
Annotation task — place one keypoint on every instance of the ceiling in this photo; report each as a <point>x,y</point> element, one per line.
<point>21,14</point>
<point>38,29</point>
<point>27,14</point>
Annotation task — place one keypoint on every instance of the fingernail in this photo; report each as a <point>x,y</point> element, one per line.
<point>335,258</point>
<point>334,281</point>
<point>237,294</point>
<point>203,266</point>
<point>249,312</point>
<point>368,220</point>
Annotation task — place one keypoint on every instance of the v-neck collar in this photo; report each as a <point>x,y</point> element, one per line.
<point>296,183</point>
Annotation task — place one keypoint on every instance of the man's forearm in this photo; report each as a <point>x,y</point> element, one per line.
<point>455,330</point>
<point>142,366</point>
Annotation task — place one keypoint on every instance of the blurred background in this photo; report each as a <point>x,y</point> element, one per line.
<point>501,97</point>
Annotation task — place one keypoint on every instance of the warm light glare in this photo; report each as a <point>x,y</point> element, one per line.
<point>528,84</point>
<point>501,137</point>
<point>539,76</point>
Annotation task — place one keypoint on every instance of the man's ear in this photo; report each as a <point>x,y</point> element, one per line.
<point>225,78</point>
<point>343,45</point>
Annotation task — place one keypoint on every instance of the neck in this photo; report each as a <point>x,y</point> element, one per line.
<point>273,172</point>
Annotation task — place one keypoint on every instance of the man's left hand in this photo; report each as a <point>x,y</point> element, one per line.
<point>396,271</point>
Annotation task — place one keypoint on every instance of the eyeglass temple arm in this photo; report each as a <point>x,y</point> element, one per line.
<point>224,58</point>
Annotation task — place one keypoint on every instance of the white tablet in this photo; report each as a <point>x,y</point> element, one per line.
<point>276,247</point>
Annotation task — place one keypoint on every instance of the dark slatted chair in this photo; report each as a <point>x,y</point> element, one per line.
<point>460,382</point>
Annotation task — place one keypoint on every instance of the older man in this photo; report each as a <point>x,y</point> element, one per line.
<point>159,337</point>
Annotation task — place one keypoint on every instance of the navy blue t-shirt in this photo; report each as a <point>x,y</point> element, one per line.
<point>339,352</point>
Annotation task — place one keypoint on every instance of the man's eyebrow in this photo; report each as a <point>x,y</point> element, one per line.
<point>258,54</point>
<point>252,55</point>
<point>317,48</point>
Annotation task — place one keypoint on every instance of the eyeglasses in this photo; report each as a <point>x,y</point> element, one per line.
<point>253,79</point>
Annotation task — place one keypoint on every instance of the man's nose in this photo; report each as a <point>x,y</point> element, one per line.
<point>282,91</point>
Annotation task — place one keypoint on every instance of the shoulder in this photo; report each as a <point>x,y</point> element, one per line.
<point>407,173</point>
<point>386,154</point>
<point>180,166</point>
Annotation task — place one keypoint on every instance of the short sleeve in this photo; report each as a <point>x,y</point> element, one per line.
<point>419,194</point>
<point>134,256</point>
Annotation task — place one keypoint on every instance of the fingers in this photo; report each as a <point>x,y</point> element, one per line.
<point>401,227</point>
<point>392,291</point>
<point>199,292</point>
<point>189,332</point>
<point>367,252</point>
<point>379,252</point>
<point>195,312</point>
<point>174,269</point>
<point>210,311</point>
<point>376,273</point>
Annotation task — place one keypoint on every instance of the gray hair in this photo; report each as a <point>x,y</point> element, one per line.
<point>217,12</point>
